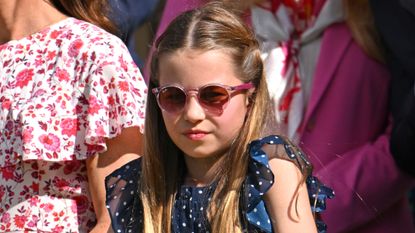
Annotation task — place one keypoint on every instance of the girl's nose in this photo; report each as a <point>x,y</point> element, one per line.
<point>193,111</point>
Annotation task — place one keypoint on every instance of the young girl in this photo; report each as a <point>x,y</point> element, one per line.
<point>202,170</point>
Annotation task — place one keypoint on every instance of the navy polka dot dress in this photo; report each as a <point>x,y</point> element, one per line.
<point>189,212</point>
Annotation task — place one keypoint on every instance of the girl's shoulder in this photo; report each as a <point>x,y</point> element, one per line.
<point>277,146</point>
<point>260,177</point>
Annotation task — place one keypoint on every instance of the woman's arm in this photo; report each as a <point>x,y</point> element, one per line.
<point>287,202</point>
<point>121,149</point>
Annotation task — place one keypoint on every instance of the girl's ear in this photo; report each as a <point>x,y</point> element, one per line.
<point>249,97</point>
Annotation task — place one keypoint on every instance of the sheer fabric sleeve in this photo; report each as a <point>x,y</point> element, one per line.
<point>260,179</point>
<point>122,198</point>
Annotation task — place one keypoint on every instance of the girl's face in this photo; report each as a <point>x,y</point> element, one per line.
<point>197,132</point>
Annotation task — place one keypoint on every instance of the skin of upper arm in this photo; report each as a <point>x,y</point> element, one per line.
<point>289,209</point>
<point>120,150</point>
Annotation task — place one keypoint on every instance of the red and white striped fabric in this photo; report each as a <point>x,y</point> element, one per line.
<point>290,31</point>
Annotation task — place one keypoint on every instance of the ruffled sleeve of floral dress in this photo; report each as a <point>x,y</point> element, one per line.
<point>66,90</point>
<point>260,179</point>
<point>113,94</point>
<point>122,198</point>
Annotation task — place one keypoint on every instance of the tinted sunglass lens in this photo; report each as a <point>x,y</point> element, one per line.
<point>172,99</point>
<point>214,97</point>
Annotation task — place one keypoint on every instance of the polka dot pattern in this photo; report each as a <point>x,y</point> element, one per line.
<point>189,212</point>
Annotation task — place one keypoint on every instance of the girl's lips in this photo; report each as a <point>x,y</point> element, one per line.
<point>195,135</point>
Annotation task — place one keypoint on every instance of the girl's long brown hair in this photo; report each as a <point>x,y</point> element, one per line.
<point>211,27</point>
<point>93,11</point>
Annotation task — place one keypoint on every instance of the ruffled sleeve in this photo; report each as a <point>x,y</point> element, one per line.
<point>260,179</point>
<point>85,90</point>
<point>115,95</point>
<point>122,198</point>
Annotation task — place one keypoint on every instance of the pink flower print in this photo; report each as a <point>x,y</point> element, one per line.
<point>27,135</point>
<point>20,220</point>
<point>62,74</point>
<point>111,100</point>
<point>74,47</point>
<point>35,187</point>
<point>69,126</point>
<point>31,224</point>
<point>93,149</point>
<point>5,104</point>
<point>99,131</point>
<point>24,77</point>
<point>57,216</point>
<point>34,201</point>
<point>50,141</point>
<point>57,229</point>
<point>51,55</point>
<point>124,86</point>
<point>35,219</point>
<point>7,173</point>
<point>38,62</point>
<point>71,166</point>
<point>94,105</point>
<point>123,64</point>
<point>60,183</point>
<point>81,204</point>
<point>5,218</point>
<point>54,34</point>
<point>47,207</point>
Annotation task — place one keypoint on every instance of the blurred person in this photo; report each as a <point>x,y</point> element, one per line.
<point>326,75</point>
<point>72,108</point>
<point>128,16</point>
<point>398,38</point>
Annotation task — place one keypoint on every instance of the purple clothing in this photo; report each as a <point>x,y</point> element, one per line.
<point>346,133</point>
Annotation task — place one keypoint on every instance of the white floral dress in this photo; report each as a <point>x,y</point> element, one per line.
<point>63,91</point>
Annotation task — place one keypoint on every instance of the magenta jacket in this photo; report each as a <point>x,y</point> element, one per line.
<point>345,133</point>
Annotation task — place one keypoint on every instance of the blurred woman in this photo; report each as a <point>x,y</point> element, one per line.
<point>72,107</point>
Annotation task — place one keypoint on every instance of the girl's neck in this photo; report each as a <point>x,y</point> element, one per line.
<point>22,18</point>
<point>201,172</point>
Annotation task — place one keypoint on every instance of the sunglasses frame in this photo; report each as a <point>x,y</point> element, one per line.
<point>229,89</point>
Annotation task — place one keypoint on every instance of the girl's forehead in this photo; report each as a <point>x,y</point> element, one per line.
<point>190,53</point>
<point>190,67</point>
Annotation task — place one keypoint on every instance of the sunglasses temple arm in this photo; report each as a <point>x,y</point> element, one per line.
<point>244,86</point>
